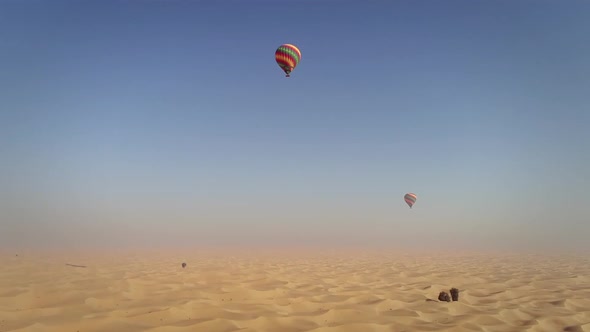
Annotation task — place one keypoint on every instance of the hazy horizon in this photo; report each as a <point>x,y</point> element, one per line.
<point>163,124</point>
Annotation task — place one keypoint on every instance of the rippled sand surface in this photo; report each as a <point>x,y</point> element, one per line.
<point>284,292</point>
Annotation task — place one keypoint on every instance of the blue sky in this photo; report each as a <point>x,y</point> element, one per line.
<point>149,123</point>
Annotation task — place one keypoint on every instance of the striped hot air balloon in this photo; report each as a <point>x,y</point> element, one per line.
<point>410,199</point>
<point>287,57</point>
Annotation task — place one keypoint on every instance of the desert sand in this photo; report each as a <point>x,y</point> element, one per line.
<point>291,291</point>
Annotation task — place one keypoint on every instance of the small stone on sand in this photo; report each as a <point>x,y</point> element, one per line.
<point>444,296</point>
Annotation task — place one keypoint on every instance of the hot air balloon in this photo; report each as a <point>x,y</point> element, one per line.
<point>410,199</point>
<point>287,57</point>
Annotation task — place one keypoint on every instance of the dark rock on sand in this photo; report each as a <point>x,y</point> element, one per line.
<point>183,265</point>
<point>454,294</point>
<point>444,296</point>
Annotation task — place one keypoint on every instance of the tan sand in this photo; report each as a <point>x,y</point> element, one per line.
<point>283,292</point>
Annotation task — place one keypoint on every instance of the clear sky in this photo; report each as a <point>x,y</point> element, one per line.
<point>156,123</point>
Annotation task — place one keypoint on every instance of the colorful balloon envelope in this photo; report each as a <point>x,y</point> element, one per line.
<point>287,57</point>
<point>410,199</point>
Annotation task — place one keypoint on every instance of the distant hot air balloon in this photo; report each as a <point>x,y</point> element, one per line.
<point>287,57</point>
<point>410,199</point>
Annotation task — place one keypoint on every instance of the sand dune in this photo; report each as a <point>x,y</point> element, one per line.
<point>320,293</point>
